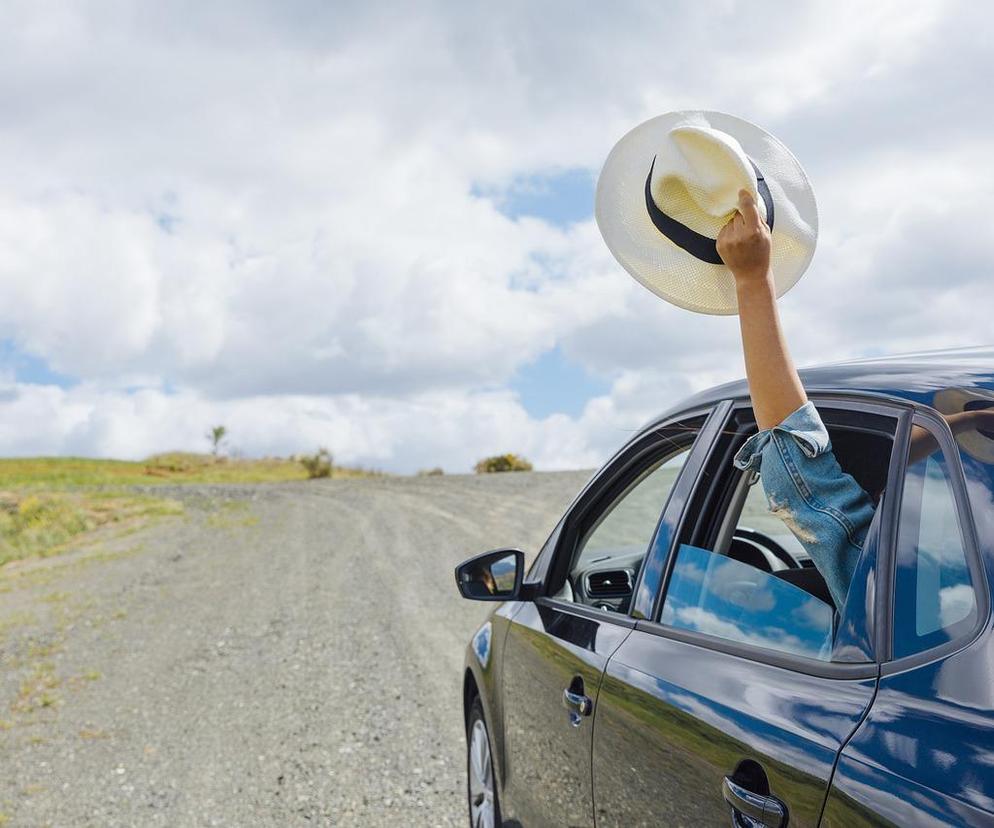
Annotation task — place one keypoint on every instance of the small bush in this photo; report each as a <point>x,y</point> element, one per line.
<point>216,435</point>
<point>431,472</point>
<point>318,465</point>
<point>502,463</point>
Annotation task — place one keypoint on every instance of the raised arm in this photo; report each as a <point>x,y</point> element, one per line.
<point>824,507</point>
<point>744,246</point>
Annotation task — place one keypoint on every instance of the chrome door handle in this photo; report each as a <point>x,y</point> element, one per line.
<point>578,706</point>
<point>767,811</point>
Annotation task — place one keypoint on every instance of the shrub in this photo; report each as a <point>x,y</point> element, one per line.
<point>318,465</point>
<point>431,472</point>
<point>502,463</point>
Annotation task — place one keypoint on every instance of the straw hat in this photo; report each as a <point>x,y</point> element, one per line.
<point>978,443</point>
<point>672,183</point>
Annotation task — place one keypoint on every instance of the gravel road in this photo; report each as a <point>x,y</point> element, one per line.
<point>280,655</point>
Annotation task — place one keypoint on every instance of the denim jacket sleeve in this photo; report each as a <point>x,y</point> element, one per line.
<point>825,508</point>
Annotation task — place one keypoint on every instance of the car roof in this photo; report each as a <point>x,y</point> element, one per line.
<point>916,377</point>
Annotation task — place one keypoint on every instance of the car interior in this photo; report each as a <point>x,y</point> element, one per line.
<point>611,548</point>
<point>611,551</point>
<point>737,522</point>
<point>749,533</point>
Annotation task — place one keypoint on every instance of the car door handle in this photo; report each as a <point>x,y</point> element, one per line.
<point>767,811</point>
<point>578,705</point>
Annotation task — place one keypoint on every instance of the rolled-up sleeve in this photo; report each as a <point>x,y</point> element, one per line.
<point>823,506</point>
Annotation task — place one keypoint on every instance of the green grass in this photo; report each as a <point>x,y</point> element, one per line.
<point>174,467</point>
<point>37,524</point>
<point>48,504</point>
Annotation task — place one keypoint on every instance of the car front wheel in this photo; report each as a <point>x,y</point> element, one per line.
<point>484,810</point>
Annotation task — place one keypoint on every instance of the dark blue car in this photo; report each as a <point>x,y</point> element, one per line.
<point>671,657</point>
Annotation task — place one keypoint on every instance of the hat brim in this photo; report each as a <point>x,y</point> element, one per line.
<point>670,271</point>
<point>954,401</point>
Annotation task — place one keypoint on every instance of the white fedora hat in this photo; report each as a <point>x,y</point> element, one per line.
<point>672,183</point>
<point>975,442</point>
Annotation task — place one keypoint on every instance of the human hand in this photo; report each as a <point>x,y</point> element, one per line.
<point>744,243</point>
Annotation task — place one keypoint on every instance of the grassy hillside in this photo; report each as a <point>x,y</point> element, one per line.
<point>48,504</point>
<point>175,467</point>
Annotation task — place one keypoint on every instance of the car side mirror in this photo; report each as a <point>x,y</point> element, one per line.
<point>492,576</point>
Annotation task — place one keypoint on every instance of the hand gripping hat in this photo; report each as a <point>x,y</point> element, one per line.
<point>672,183</point>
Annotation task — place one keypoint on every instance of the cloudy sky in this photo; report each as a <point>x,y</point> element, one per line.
<point>369,226</point>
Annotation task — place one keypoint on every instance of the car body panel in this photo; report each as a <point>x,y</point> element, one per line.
<point>482,677</point>
<point>925,753</point>
<point>663,745</point>
<point>915,377</point>
<point>547,758</point>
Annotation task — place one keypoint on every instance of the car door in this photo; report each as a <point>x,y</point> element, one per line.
<point>924,755</point>
<point>737,692</point>
<point>557,645</point>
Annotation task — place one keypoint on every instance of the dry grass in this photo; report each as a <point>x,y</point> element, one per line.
<point>171,467</point>
<point>50,503</point>
<point>35,523</point>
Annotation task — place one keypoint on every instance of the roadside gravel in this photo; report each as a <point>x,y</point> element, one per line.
<point>282,655</point>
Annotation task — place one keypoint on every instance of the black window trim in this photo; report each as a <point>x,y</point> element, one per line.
<point>612,476</point>
<point>674,511</point>
<point>761,655</point>
<point>539,569</point>
<point>886,405</point>
<point>939,428</point>
<point>586,611</point>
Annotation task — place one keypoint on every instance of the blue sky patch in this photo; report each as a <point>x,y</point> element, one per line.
<point>562,198</point>
<point>555,384</point>
<point>30,369</point>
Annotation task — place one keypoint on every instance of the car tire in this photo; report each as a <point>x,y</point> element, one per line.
<point>481,784</point>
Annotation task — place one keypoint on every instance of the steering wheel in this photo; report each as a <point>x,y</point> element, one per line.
<point>767,543</point>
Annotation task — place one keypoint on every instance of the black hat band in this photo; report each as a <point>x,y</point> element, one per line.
<point>698,245</point>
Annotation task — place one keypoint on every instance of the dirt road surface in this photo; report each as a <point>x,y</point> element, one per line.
<point>282,655</point>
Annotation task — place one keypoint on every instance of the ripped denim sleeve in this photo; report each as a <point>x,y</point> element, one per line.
<point>824,507</point>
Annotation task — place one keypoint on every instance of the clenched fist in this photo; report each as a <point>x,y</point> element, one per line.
<point>744,243</point>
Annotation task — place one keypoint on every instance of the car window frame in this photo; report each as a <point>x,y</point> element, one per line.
<point>891,406</point>
<point>929,418</point>
<point>605,485</point>
<point>539,568</point>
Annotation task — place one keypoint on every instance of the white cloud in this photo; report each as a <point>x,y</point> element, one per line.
<point>956,603</point>
<point>270,210</point>
<point>770,638</point>
<point>452,429</point>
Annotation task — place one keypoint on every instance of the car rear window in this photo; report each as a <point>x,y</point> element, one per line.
<point>935,599</point>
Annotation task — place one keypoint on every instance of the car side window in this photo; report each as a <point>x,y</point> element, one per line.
<point>761,537</point>
<point>934,596</point>
<point>741,574</point>
<point>717,595</point>
<point>612,548</point>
